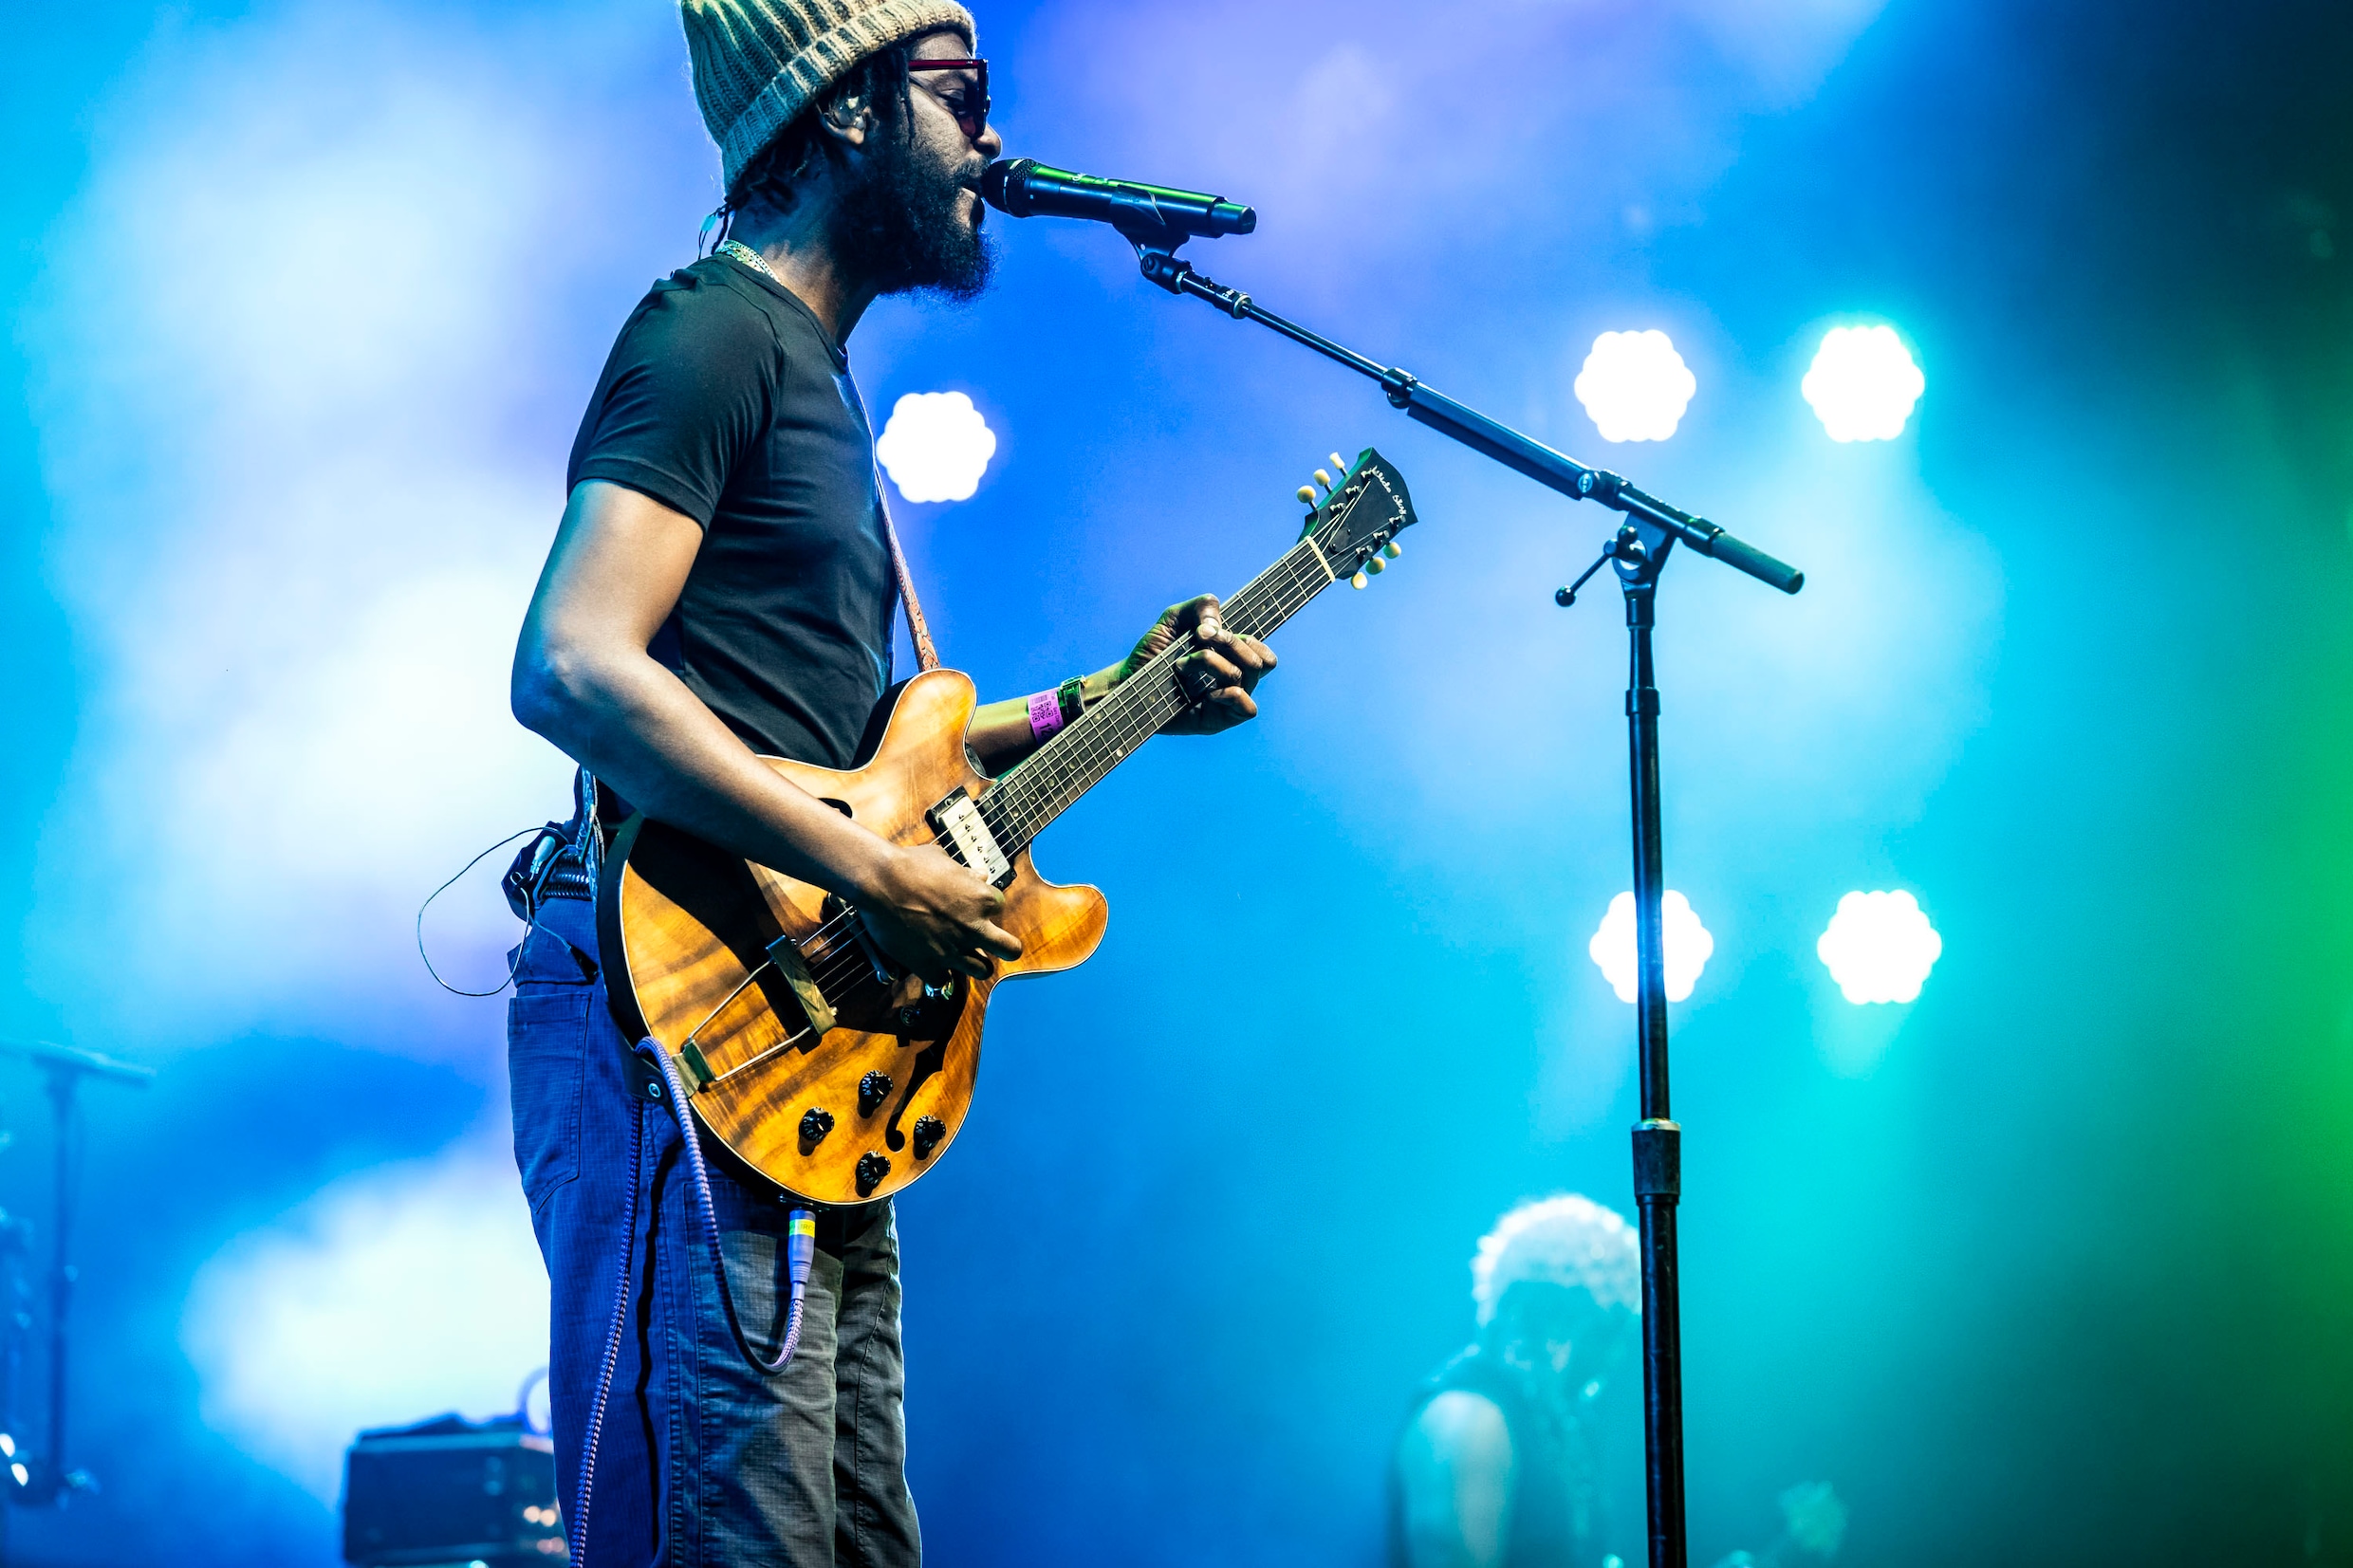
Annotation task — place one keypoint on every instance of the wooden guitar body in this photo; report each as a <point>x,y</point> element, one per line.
<point>801,1048</point>
<point>687,930</point>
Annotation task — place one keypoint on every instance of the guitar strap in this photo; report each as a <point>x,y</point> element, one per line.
<point>926,656</point>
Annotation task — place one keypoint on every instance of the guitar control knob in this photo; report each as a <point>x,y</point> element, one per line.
<point>815,1124</point>
<point>872,1167</point>
<point>927,1131</point>
<point>872,1091</point>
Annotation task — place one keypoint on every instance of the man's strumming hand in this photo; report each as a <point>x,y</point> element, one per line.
<point>936,916</point>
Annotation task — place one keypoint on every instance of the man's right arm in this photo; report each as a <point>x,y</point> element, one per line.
<point>583,680</point>
<point>1455,1479</point>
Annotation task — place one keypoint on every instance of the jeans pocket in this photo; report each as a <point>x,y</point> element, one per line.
<point>546,1060</point>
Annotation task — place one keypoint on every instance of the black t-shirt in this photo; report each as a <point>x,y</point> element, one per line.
<point>724,399</point>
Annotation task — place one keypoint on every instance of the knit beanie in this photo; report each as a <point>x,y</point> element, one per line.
<point>759,62</point>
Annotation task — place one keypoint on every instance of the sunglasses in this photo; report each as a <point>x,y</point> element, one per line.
<point>970,108</point>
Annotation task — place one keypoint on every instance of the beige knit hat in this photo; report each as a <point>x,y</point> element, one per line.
<point>758,63</point>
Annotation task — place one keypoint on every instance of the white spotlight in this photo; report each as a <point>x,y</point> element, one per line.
<point>937,446</point>
<point>1635,386</point>
<point>1863,385</point>
<point>1689,947</point>
<point>1880,946</point>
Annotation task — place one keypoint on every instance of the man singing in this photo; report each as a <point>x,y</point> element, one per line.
<point>720,588</point>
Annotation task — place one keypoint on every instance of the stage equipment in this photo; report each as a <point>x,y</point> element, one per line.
<point>1638,553</point>
<point>1026,188</point>
<point>797,1043</point>
<point>451,1491</point>
<point>43,1479</point>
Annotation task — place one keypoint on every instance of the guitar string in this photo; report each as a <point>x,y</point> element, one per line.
<point>1290,584</point>
<point>830,964</point>
<point>1154,702</point>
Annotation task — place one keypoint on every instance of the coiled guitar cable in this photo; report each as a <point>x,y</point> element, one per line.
<point>800,1256</point>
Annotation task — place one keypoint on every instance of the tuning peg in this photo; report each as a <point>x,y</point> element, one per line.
<point>1359,580</point>
<point>1306,493</point>
<point>1323,479</point>
<point>1340,464</point>
<point>1393,549</point>
<point>1376,565</point>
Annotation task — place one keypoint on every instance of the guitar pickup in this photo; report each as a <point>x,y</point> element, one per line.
<point>786,954</point>
<point>959,818</point>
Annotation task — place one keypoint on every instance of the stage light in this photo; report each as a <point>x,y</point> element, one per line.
<point>1689,946</point>
<point>1863,385</point>
<point>937,446</point>
<point>1880,946</point>
<point>1635,386</point>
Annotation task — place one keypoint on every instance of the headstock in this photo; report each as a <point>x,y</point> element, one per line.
<point>1357,522</point>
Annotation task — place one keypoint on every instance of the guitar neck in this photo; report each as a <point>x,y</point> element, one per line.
<point>1045,785</point>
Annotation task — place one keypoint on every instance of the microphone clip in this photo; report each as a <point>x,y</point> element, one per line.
<point>1156,253</point>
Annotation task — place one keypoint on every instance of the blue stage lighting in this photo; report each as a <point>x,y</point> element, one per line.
<point>1880,946</point>
<point>937,446</point>
<point>1636,386</point>
<point>1689,946</point>
<point>1863,385</point>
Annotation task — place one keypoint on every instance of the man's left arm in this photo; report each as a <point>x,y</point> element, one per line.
<point>1227,665</point>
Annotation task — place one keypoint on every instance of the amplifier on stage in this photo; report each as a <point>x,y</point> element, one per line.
<point>451,1491</point>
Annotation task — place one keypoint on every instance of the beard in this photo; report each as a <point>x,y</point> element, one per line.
<point>902,225</point>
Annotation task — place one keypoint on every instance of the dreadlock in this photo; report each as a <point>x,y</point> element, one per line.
<point>774,176</point>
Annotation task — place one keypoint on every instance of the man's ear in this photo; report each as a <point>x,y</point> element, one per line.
<point>849,118</point>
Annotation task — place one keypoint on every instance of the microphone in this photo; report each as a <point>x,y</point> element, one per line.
<point>1026,188</point>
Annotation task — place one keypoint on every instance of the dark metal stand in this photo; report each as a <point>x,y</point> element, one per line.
<point>45,1476</point>
<point>1638,554</point>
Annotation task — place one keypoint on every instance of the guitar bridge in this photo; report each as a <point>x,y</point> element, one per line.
<point>959,818</point>
<point>786,954</point>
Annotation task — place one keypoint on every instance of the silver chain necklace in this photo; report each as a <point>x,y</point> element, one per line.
<point>750,258</point>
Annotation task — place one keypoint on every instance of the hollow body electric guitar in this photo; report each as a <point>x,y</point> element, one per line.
<point>803,1048</point>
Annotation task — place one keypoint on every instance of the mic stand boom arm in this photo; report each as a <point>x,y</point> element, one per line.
<point>1638,554</point>
<point>1552,470</point>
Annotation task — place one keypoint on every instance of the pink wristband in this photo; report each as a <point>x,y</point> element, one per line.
<point>1045,714</point>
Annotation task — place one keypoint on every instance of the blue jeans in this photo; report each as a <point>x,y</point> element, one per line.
<point>702,1459</point>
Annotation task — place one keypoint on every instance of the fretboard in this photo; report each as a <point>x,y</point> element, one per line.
<point>1018,807</point>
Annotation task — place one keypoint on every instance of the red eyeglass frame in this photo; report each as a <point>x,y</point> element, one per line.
<point>973,120</point>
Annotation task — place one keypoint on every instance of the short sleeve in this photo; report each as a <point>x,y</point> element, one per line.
<point>683,396</point>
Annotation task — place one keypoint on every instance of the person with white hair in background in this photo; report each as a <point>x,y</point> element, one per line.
<point>1524,1450</point>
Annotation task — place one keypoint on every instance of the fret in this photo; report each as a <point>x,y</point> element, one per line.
<point>1021,804</point>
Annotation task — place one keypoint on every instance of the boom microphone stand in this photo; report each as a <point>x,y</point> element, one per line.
<point>1639,554</point>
